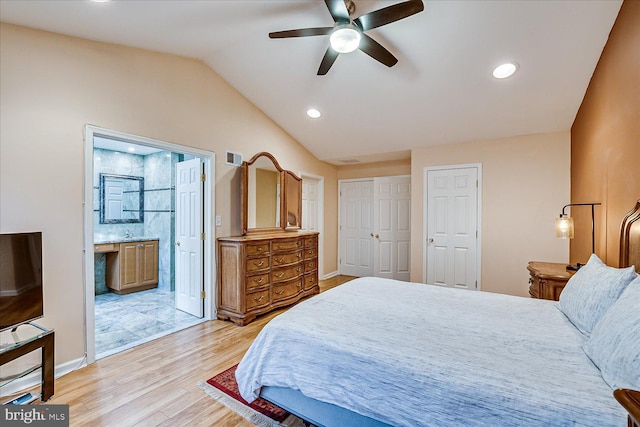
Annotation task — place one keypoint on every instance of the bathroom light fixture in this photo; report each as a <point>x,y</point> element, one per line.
<point>565,230</point>
<point>505,70</point>
<point>313,113</point>
<point>345,38</point>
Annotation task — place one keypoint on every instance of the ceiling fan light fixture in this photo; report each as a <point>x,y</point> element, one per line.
<point>505,70</point>
<point>345,39</point>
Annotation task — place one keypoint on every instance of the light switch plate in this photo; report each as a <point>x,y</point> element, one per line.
<point>218,221</point>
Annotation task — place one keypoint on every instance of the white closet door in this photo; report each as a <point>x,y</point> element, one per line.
<point>392,227</point>
<point>452,227</point>
<point>356,228</point>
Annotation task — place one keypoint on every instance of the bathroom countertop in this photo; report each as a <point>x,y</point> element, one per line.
<point>99,240</point>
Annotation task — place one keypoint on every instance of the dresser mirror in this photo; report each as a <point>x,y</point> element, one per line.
<point>271,196</point>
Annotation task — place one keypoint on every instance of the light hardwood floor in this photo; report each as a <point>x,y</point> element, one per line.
<point>155,384</point>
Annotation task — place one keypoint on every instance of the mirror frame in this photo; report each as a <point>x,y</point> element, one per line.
<point>283,192</point>
<point>101,187</point>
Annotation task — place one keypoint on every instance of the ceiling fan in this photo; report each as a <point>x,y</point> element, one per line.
<point>347,35</point>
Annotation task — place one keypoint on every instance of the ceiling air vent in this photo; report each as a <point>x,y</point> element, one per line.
<point>349,161</point>
<point>234,159</point>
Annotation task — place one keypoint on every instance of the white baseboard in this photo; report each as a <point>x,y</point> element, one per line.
<point>330,275</point>
<point>35,378</point>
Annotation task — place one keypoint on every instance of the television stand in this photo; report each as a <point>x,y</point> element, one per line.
<point>44,340</point>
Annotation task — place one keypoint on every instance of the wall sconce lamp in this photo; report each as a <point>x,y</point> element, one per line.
<point>564,228</point>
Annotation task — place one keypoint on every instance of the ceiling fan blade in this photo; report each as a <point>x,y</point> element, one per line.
<point>329,58</point>
<point>377,51</point>
<point>302,32</point>
<point>338,10</point>
<point>389,14</point>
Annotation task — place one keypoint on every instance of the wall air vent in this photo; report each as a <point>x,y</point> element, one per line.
<point>233,159</point>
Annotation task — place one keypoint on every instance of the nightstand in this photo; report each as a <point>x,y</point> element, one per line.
<point>548,279</point>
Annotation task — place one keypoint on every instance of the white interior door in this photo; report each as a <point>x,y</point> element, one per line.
<point>189,237</point>
<point>310,212</point>
<point>356,228</point>
<point>392,227</point>
<point>452,227</point>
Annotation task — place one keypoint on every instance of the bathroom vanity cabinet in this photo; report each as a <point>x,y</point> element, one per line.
<point>131,266</point>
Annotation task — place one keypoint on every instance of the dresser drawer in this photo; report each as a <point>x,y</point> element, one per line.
<point>310,265</point>
<point>257,281</point>
<point>310,281</point>
<point>286,258</point>
<point>285,273</point>
<point>257,264</point>
<point>310,241</point>
<point>257,299</point>
<point>286,245</point>
<point>310,252</point>
<point>258,249</point>
<point>286,290</point>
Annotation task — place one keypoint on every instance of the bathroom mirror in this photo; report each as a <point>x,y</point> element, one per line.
<point>121,199</point>
<point>266,191</point>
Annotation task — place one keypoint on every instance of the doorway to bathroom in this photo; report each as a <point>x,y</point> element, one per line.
<point>148,239</point>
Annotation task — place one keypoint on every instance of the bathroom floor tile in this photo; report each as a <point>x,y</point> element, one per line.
<point>124,321</point>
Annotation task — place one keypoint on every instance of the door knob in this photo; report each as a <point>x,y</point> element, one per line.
<point>371,234</point>
<point>430,240</point>
<point>376,236</point>
<point>177,243</point>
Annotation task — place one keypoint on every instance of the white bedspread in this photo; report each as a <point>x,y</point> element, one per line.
<point>411,354</point>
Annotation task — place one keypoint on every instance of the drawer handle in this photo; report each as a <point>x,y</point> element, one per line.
<point>258,280</point>
<point>279,292</point>
<point>279,275</point>
<point>297,255</point>
<point>279,260</point>
<point>298,270</point>
<point>259,248</point>
<point>258,299</point>
<point>258,264</point>
<point>311,279</point>
<point>310,265</point>
<point>299,285</point>
<point>310,251</point>
<point>279,246</point>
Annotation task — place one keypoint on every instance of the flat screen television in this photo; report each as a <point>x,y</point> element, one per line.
<point>20,278</point>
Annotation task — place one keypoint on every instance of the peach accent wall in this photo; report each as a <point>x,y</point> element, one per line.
<point>525,183</point>
<point>377,169</point>
<point>52,85</point>
<point>605,141</point>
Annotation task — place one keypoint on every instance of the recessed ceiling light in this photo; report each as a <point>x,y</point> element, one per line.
<point>131,149</point>
<point>505,70</point>
<point>313,113</point>
<point>100,1</point>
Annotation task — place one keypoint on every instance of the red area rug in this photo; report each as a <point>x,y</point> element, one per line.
<point>226,383</point>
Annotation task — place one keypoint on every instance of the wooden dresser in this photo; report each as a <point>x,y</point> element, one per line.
<point>259,272</point>
<point>548,279</point>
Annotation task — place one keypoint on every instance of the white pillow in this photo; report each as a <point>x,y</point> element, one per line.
<point>590,292</point>
<point>614,345</point>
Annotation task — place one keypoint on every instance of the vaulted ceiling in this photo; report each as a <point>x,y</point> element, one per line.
<point>441,91</point>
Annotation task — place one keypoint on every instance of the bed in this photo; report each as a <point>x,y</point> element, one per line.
<point>377,352</point>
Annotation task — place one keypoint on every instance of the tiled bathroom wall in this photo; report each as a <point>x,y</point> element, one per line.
<point>158,170</point>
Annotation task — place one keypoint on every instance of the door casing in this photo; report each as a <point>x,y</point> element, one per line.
<point>208,158</point>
